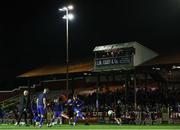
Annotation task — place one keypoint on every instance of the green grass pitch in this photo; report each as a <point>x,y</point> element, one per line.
<point>95,127</point>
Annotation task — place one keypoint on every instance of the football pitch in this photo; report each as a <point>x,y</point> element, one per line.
<point>94,127</point>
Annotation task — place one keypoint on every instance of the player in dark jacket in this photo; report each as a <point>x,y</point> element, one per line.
<point>118,113</point>
<point>24,104</point>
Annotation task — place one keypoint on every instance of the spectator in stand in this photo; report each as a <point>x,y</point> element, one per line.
<point>153,117</point>
<point>132,117</point>
<point>143,115</point>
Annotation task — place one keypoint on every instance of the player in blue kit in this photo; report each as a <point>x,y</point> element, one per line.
<point>77,107</point>
<point>58,111</point>
<point>41,106</point>
<point>34,110</point>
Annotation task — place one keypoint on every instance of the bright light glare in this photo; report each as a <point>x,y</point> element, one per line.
<point>61,10</point>
<point>64,8</point>
<point>156,68</point>
<point>70,7</point>
<point>70,16</point>
<point>175,67</point>
<point>64,17</point>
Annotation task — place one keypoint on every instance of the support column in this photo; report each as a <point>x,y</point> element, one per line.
<point>72,84</point>
<point>126,86</point>
<point>135,96</point>
<point>97,92</point>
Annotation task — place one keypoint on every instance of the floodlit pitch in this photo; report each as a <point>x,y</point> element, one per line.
<point>95,127</point>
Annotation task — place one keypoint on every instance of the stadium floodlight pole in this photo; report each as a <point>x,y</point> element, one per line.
<point>67,17</point>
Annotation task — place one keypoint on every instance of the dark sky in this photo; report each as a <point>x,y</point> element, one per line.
<point>33,33</point>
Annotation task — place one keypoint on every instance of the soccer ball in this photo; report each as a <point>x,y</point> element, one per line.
<point>22,123</point>
<point>54,123</point>
<point>110,112</point>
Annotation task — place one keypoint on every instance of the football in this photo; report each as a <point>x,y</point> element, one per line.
<point>110,112</point>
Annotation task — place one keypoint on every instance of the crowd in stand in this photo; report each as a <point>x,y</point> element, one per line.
<point>149,102</point>
<point>153,99</point>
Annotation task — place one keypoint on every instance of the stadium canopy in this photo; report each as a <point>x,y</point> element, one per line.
<point>122,56</point>
<point>167,65</point>
<point>59,69</point>
<point>166,59</point>
<point>113,46</point>
<point>142,54</point>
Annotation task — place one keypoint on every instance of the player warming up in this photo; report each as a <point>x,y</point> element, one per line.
<point>34,110</point>
<point>41,106</point>
<point>77,107</point>
<point>58,112</point>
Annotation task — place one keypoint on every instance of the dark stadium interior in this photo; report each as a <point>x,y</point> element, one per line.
<point>122,53</point>
<point>32,33</point>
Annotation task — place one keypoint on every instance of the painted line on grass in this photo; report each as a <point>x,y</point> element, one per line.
<point>86,129</point>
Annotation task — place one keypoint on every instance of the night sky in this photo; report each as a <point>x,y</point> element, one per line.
<point>33,32</point>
